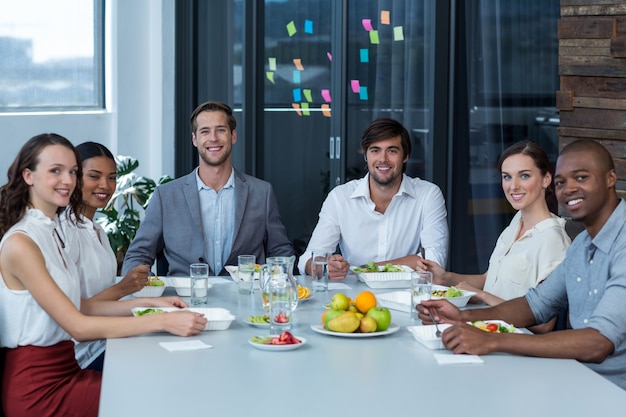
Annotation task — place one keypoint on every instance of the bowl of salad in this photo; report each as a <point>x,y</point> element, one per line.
<point>456,296</point>
<point>383,276</point>
<point>154,288</point>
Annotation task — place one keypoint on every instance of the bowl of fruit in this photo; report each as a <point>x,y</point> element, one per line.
<point>154,288</point>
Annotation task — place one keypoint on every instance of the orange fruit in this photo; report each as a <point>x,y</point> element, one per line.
<point>364,301</point>
<point>324,316</point>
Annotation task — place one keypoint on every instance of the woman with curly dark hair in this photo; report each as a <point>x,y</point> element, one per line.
<point>40,304</point>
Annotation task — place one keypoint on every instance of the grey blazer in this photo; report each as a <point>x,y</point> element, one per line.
<point>171,227</point>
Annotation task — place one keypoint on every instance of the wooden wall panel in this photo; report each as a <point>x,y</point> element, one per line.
<point>592,68</point>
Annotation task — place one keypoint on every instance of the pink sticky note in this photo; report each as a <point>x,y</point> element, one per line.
<point>326,96</point>
<point>367,24</point>
<point>330,56</point>
<point>356,86</point>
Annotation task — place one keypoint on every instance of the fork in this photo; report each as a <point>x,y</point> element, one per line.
<point>438,332</point>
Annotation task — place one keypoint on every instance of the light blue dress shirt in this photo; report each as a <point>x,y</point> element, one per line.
<point>218,221</point>
<point>591,281</point>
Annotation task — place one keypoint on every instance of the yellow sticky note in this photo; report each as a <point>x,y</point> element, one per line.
<point>270,76</point>
<point>305,109</point>
<point>291,28</point>
<point>326,110</point>
<point>398,33</point>
<point>374,37</point>
<point>296,107</point>
<point>307,94</point>
<point>384,17</point>
<point>298,63</point>
<point>272,63</point>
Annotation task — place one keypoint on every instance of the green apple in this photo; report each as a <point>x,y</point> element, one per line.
<point>339,302</point>
<point>331,314</point>
<point>382,317</point>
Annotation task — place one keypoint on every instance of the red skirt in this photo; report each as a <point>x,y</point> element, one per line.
<point>47,381</point>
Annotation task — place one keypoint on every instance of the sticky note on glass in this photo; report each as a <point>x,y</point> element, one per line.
<point>330,56</point>
<point>298,63</point>
<point>297,95</point>
<point>291,28</point>
<point>363,93</point>
<point>272,63</point>
<point>326,110</point>
<point>305,109</point>
<point>384,17</point>
<point>326,95</point>
<point>308,26</point>
<point>296,77</point>
<point>307,94</point>
<point>296,107</point>
<point>374,37</point>
<point>367,24</point>
<point>398,33</point>
<point>356,87</point>
<point>270,76</point>
<point>365,55</point>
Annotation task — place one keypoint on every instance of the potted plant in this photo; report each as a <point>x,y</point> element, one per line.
<point>122,216</point>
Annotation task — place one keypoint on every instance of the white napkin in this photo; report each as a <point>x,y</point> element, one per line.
<point>338,286</point>
<point>452,359</point>
<point>185,345</point>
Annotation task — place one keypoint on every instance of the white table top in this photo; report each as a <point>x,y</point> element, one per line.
<point>334,376</point>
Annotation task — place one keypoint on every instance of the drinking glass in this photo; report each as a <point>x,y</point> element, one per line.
<point>199,283</point>
<point>421,287</point>
<point>281,295</point>
<point>245,272</point>
<point>319,270</point>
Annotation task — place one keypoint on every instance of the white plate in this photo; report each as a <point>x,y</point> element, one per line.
<point>181,285</point>
<point>279,348</point>
<point>217,318</point>
<point>301,300</point>
<point>499,323</point>
<point>259,325</point>
<point>320,329</point>
<point>386,279</point>
<point>426,335</point>
<point>401,300</point>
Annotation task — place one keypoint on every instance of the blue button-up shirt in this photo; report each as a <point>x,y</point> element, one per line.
<point>218,221</point>
<point>591,281</point>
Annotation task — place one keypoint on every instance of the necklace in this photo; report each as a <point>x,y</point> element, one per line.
<point>59,237</point>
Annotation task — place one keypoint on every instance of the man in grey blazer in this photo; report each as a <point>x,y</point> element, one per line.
<point>212,214</point>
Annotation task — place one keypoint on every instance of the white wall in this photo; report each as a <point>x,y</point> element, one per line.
<point>139,118</point>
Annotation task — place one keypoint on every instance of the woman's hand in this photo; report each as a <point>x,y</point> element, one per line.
<point>439,274</point>
<point>172,301</point>
<point>182,323</point>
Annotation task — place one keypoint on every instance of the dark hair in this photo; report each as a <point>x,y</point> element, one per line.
<point>531,149</point>
<point>385,128</point>
<point>14,195</point>
<point>88,150</point>
<point>212,106</point>
<point>587,145</point>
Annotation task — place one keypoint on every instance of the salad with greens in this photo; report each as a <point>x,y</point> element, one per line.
<point>148,311</point>
<point>447,293</point>
<point>372,267</point>
<point>494,327</point>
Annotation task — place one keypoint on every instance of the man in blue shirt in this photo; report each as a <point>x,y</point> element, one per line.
<point>590,282</point>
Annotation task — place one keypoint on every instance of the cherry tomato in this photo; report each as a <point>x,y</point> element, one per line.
<point>492,327</point>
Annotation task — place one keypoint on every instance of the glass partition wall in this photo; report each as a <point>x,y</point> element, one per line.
<point>467,79</point>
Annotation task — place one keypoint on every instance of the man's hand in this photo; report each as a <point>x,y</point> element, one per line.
<point>337,267</point>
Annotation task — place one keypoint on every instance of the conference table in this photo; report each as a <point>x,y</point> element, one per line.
<point>335,376</point>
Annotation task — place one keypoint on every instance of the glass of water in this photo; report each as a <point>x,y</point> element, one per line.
<point>421,287</point>
<point>319,269</point>
<point>245,272</point>
<point>199,278</point>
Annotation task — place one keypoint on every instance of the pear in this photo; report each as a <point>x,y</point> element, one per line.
<point>346,322</point>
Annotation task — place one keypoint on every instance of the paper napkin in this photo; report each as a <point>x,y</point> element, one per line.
<point>452,359</point>
<point>338,286</point>
<point>185,345</point>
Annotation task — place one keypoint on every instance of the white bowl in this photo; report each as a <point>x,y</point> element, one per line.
<point>217,318</point>
<point>182,286</point>
<point>460,301</point>
<point>426,335</point>
<point>150,291</point>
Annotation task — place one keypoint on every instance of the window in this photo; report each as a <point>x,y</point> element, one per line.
<point>52,55</point>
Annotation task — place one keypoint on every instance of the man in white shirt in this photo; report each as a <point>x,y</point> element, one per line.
<point>385,216</point>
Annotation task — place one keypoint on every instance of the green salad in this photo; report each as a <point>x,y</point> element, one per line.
<point>372,267</point>
<point>148,311</point>
<point>448,293</point>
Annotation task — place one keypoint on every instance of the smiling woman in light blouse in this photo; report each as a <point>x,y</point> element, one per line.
<point>531,246</point>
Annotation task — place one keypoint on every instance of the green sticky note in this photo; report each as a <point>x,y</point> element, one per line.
<point>307,94</point>
<point>272,63</point>
<point>291,28</point>
<point>305,109</point>
<point>270,76</point>
<point>398,33</point>
<point>374,37</point>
